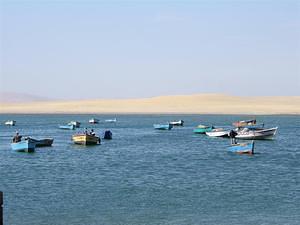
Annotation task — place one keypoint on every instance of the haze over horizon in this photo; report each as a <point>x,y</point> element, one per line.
<point>91,50</point>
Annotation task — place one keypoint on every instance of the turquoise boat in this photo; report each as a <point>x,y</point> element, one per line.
<point>242,148</point>
<point>23,146</point>
<point>202,129</point>
<point>67,127</point>
<point>163,126</point>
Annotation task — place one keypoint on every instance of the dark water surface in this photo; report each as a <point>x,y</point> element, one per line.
<point>144,176</point>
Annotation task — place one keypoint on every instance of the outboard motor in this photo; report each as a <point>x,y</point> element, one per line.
<point>108,135</point>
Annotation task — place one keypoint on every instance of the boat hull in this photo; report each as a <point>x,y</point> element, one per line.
<point>10,123</point>
<point>111,121</point>
<point>177,123</point>
<point>84,139</point>
<point>47,142</point>
<point>67,127</point>
<point>162,126</point>
<point>23,146</point>
<point>93,121</point>
<point>75,123</point>
<point>202,130</point>
<point>242,148</point>
<point>218,133</point>
<point>261,134</point>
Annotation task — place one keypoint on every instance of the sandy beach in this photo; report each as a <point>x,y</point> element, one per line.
<point>190,104</point>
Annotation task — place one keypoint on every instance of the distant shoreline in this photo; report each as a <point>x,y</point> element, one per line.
<point>181,104</point>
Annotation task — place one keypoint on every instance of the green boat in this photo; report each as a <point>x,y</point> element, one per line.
<point>201,129</point>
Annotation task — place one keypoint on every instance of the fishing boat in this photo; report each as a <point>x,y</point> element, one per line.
<point>108,135</point>
<point>46,142</point>
<point>218,132</point>
<point>163,126</point>
<point>67,127</point>
<point>86,139</point>
<point>93,120</point>
<point>177,123</point>
<point>257,134</point>
<point>23,146</point>
<point>111,120</point>
<point>244,123</point>
<point>10,123</point>
<point>202,129</point>
<point>242,148</point>
<point>75,123</point>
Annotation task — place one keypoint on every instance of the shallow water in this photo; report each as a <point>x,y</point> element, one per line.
<point>144,176</point>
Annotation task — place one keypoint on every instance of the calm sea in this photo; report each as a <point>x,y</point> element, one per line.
<point>144,176</point>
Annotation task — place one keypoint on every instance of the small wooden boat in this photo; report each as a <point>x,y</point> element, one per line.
<point>108,135</point>
<point>23,146</point>
<point>111,120</point>
<point>177,123</point>
<point>242,148</point>
<point>86,139</point>
<point>257,134</point>
<point>202,129</point>
<point>218,132</point>
<point>46,142</point>
<point>163,126</point>
<point>93,120</point>
<point>67,127</point>
<point>75,123</point>
<point>10,123</point>
<point>244,123</point>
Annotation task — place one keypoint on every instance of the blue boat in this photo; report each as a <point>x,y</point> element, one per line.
<point>23,146</point>
<point>163,126</point>
<point>67,127</point>
<point>242,148</point>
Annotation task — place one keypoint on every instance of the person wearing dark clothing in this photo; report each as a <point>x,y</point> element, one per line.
<point>108,134</point>
<point>232,135</point>
<point>17,138</point>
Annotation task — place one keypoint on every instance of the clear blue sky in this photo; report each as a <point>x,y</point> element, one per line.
<point>117,49</point>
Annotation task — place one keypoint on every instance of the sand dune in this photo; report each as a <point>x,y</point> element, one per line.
<point>200,103</point>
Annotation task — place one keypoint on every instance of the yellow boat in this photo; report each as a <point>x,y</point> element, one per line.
<point>86,139</point>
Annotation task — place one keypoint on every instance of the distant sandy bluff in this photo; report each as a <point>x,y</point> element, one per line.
<point>186,104</point>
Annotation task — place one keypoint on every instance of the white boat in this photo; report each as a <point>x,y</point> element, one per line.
<point>111,120</point>
<point>93,120</point>
<point>177,123</point>
<point>245,133</point>
<point>23,146</point>
<point>10,123</point>
<point>75,123</point>
<point>218,132</point>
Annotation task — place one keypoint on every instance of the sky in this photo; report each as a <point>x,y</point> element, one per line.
<point>76,49</point>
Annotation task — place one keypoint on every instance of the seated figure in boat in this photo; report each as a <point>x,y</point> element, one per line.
<point>17,138</point>
<point>92,132</point>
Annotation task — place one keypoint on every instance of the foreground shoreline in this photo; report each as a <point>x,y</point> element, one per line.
<point>188,104</point>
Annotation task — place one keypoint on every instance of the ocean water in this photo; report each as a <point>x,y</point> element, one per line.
<point>144,176</point>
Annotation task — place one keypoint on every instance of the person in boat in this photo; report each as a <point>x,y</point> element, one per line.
<point>17,138</point>
<point>92,132</point>
<point>232,135</point>
<point>86,131</point>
